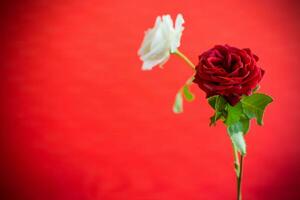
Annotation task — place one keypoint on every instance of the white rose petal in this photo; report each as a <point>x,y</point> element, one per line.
<point>160,41</point>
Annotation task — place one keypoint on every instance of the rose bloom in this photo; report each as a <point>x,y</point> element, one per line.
<point>160,41</point>
<point>229,72</point>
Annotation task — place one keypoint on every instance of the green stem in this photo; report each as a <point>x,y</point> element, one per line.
<point>238,166</point>
<point>182,56</point>
<point>236,161</point>
<point>239,179</point>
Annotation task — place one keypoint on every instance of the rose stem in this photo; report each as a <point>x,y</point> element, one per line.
<point>238,166</point>
<point>239,179</point>
<point>181,55</point>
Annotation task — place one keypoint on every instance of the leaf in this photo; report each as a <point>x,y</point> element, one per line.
<point>215,118</point>
<point>234,113</point>
<point>254,106</point>
<point>236,134</point>
<point>218,103</point>
<point>189,96</point>
<point>242,125</point>
<point>246,125</point>
<point>212,101</point>
<point>178,104</point>
<point>183,92</point>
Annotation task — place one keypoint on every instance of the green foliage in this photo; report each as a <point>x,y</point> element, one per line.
<point>234,113</point>
<point>254,106</point>
<point>189,96</point>
<point>212,101</point>
<point>245,124</point>
<point>218,103</point>
<point>178,103</point>
<point>183,93</point>
<point>237,118</point>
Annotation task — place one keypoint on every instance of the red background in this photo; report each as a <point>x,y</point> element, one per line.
<point>80,120</point>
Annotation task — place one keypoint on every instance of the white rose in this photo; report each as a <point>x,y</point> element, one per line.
<point>160,41</point>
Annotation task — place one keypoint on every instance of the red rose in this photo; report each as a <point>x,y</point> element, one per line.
<point>228,71</point>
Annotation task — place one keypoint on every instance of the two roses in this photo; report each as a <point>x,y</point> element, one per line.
<point>226,74</point>
<point>222,70</point>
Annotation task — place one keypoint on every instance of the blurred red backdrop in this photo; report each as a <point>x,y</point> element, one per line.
<point>80,120</point>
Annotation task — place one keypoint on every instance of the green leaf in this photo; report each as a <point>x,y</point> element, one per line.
<point>212,101</point>
<point>218,103</point>
<point>242,125</point>
<point>254,106</point>
<point>234,113</point>
<point>245,125</point>
<point>189,96</point>
<point>215,118</point>
<point>178,104</point>
<point>212,120</point>
<point>236,134</point>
